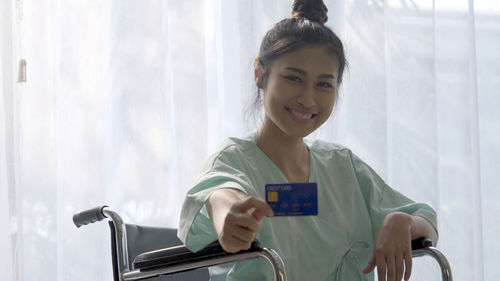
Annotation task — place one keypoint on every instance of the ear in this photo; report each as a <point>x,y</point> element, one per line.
<point>258,71</point>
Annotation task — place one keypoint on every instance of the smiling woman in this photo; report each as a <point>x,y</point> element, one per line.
<point>362,223</point>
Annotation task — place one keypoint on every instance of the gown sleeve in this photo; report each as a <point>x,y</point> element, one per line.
<point>195,227</point>
<point>381,199</point>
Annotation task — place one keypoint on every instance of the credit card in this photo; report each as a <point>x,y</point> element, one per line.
<point>293,199</point>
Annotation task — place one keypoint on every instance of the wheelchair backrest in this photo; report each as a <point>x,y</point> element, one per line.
<point>142,239</point>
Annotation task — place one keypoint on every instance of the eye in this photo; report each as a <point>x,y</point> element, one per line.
<point>325,85</point>
<point>293,78</point>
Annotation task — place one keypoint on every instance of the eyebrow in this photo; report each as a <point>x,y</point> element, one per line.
<point>305,73</point>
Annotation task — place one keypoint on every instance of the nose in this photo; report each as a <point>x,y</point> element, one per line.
<point>306,98</point>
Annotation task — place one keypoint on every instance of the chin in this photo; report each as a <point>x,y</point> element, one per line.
<point>298,133</point>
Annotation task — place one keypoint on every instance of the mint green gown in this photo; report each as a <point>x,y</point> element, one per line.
<point>334,245</point>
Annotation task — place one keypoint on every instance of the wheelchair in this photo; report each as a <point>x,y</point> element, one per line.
<point>155,253</point>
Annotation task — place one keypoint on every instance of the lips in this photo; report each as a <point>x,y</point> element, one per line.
<point>301,115</point>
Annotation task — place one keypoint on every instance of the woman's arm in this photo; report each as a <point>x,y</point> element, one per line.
<point>236,217</point>
<point>423,228</point>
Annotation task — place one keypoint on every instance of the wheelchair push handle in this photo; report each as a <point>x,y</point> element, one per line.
<point>89,216</point>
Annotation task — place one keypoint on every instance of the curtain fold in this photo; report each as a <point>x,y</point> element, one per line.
<point>125,100</point>
<point>10,199</point>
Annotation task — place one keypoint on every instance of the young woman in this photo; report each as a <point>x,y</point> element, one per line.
<point>362,223</point>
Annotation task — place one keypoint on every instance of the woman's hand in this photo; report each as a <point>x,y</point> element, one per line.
<point>392,253</point>
<point>237,218</point>
<point>242,223</point>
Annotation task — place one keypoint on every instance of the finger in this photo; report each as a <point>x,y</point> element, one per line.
<point>241,233</point>
<point>257,214</point>
<point>400,267</point>
<point>371,265</point>
<point>243,220</point>
<point>408,265</point>
<point>391,268</point>
<point>232,244</point>
<point>254,202</point>
<point>381,267</point>
<point>244,245</point>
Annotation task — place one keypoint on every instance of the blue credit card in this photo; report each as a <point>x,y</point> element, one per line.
<point>293,199</point>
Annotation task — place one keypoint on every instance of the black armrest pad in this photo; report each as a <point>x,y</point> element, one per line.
<point>421,243</point>
<point>181,254</point>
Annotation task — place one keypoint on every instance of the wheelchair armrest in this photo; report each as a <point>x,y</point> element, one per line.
<point>181,255</point>
<point>421,243</point>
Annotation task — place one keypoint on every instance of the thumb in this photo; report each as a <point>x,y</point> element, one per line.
<point>257,214</point>
<point>371,265</point>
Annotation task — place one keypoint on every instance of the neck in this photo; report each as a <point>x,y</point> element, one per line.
<point>288,153</point>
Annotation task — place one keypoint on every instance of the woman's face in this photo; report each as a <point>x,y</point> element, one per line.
<point>300,91</point>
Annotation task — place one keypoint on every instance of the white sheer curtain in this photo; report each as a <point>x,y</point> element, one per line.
<point>125,99</point>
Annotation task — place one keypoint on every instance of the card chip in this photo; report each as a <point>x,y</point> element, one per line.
<point>272,196</point>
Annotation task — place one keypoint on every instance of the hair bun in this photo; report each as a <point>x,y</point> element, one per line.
<point>313,10</point>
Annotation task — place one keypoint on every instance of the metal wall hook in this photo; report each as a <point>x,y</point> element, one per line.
<point>21,77</point>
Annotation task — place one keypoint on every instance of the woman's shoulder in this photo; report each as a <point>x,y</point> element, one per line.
<point>326,148</point>
<point>232,150</point>
<point>235,145</point>
<point>330,152</point>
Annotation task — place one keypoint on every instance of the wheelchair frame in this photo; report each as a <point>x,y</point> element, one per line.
<point>126,274</point>
<point>420,247</point>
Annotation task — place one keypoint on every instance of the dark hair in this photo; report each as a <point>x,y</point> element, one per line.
<point>305,28</point>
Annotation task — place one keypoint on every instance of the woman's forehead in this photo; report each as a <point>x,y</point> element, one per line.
<point>311,59</point>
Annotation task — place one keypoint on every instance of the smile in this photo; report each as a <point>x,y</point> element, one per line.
<point>300,115</point>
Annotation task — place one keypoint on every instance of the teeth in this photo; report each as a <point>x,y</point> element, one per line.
<point>302,115</point>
